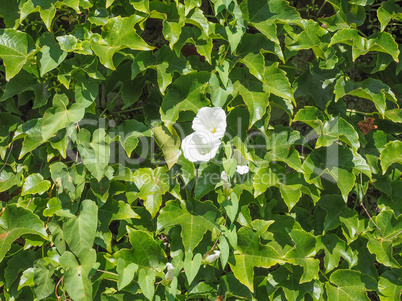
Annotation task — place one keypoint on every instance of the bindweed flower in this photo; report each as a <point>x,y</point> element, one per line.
<point>211,258</point>
<point>169,273</point>
<point>200,146</point>
<point>210,120</point>
<point>225,180</point>
<point>242,163</point>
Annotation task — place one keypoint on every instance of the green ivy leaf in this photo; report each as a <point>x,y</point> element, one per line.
<point>18,263</point>
<point>80,231</point>
<point>9,12</point>
<point>27,278</point>
<point>50,56</point>
<point>74,66</point>
<point>335,248</point>
<point>206,180</point>
<point>372,89</point>
<point>145,252</point>
<point>192,265</point>
<point>23,82</point>
<point>95,155</point>
<point>381,243</point>
<point>381,42</point>
<point>346,14</point>
<point>280,146</point>
<point>129,132</point>
<point>388,11</point>
<point>277,82</point>
<point>316,85</point>
<point>266,177</point>
<point>152,185</point>
<point>394,115</point>
<point>44,284</point>
<point>249,254</point>
<point>173,16</point>
<point>390,285</point>
<point>59,115</point>
<point>195,220</point>
<point>303,254</point>
<point>348,284</point>
<point>383,251</point>
<point>16,221</point>
<point>336,209</point>
<point>70,43</point>
<point>35,183</point>
<point>146,280</point>
<point>311,116</point>
<point>312,37</point>
<point>255,44</point>
<point>338,129</point>
<point>252,92</point>
<point>392,153</point>
<point>76,280</point>
<point>169,142</point>
<point>118,33</point>
<point>31,132</point>
<point>126,272</point>
<point>236,28</point>
<point>9,179</point>
<point>336,161</point>
<point>16,48</point>
<point>200,39</point>
<point>46,10</point>
<point>219,94</point>
<point>187,93</point>
<point>113,210</point>
<point>289,281</point>
<point>164,61</point>
<point>264,15</point>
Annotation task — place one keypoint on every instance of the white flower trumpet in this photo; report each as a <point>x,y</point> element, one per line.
<point>211,120</point>
<point>209,126</point>
<point>200,146</point>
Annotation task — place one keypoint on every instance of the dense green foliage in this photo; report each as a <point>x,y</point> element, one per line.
<point>96,197</point>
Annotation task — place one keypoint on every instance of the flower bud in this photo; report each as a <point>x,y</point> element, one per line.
<point>169,273</point>
<point>211,258</point>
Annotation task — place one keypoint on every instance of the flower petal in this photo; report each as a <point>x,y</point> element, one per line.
<point>242,169</point>
<point>211,120</point>
<point>200,146</point>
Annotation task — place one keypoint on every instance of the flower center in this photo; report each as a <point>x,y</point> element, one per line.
<point>213,130</point>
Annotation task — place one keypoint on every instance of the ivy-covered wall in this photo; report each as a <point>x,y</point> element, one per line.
<point>200,150</point>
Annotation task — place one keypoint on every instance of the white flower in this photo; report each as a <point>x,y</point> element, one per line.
<point>211,258</point>
<point>225,180</point>
<point>200,146</point>
<point>169,273</point>
<point>242,163</point>
<point>211,120</point>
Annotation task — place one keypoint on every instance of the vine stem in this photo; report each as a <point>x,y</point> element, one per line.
<point>213,247</point>
<point>11,147</point>
<point>129,110</point>
<point>106,272</point>
<point>364,207</point>
<point>356,112</point>
<point>291,67</point>
<point>322,6</point>
<point>57,287</point>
